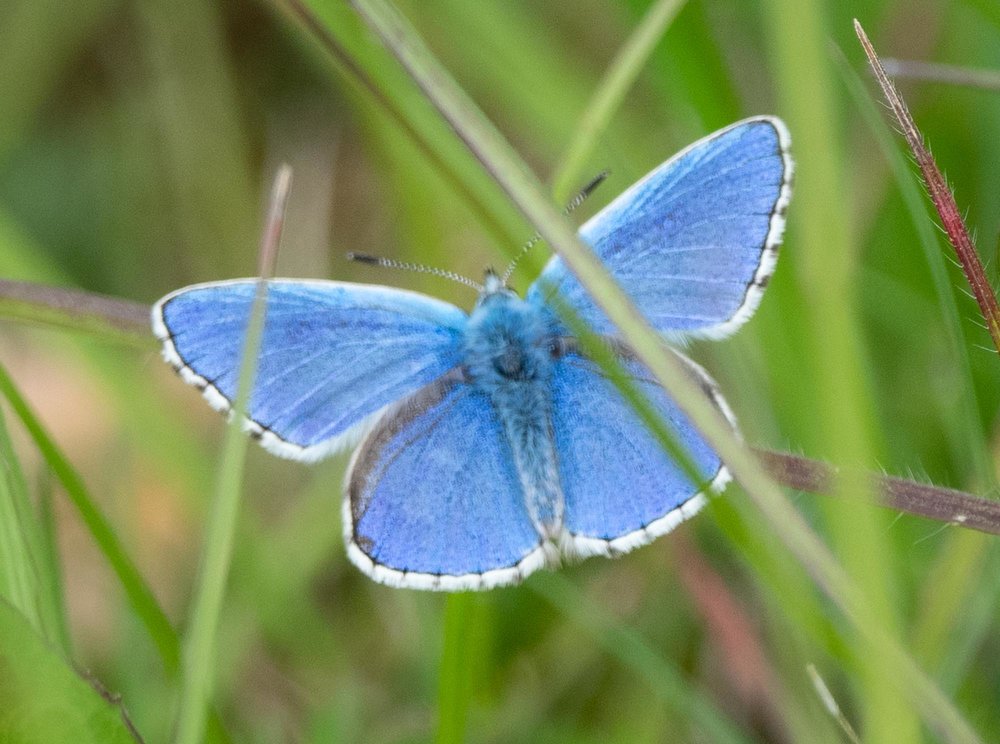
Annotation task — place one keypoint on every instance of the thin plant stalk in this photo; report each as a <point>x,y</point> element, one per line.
<point>607,99</point>
<point>110,318</point>
<point>971,446</point>
<point>525,191</point>
<point>937,187</point>
<point>329,24</point>
<point>50,567</point>
<point>200,643</point>
<point>932,502</point>
<point>827,268</point>
<point>19,579</point>
<point>455,684</point>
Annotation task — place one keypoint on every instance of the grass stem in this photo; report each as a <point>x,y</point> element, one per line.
<point>200,645</point>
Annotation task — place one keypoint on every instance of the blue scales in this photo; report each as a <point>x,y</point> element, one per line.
<point>489,444</point>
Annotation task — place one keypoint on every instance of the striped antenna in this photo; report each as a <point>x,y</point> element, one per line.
<point>574,203</point>
<point>419,268</point>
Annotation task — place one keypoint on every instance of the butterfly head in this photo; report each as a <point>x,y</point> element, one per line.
<point>493,285</point>
<point>505,338</point>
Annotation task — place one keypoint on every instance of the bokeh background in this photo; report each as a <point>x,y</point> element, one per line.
<point>137,144</point>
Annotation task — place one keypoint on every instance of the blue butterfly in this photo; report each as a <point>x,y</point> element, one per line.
<point>490,445</point>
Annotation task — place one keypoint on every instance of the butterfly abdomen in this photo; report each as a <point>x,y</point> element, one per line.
<point>507,355</point>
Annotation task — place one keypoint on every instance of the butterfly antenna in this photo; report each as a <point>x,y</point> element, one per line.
<point>419,268</point>
<point>574,203</point>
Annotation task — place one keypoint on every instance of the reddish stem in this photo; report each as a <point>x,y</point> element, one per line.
<point>932,502</point>
<point>940,194</point>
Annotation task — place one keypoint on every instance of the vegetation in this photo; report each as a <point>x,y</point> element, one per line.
<point>138,144</point>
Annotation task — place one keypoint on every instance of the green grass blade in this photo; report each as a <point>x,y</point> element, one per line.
<point>618,79</point>
<point>220,529</point>
<point>29,566</point>
<point>139,595</point>
<point>826,268</point>
<point>827,271</point>
<point>52,592</point>
<point>43,699</point>
<point>457,662</point>
<point>18,579</point>
<point>367,65</point>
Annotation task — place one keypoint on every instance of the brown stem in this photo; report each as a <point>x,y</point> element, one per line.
<point>933,502</point>
<point>76,309</point>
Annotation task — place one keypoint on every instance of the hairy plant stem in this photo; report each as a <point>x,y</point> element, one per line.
<point>937,187</point>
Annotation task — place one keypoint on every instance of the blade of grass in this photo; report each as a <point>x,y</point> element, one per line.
<point>618,79</point>
<point>220,528</point>
<point>43,699</point>
<point>139,595</point>
<point>455,687</point>
<point>51,569</point>
<point>830,703</point>
<point>28,550</point>
<point>944,200</point>
<point>634,651</point>
<point>18,551</point>
<point>827,270</point>
<point>525,191</point>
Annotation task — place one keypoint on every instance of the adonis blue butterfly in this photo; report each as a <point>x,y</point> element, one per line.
<point>490,445</point>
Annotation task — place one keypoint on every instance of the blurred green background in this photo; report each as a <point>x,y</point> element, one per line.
<point>137,144</point>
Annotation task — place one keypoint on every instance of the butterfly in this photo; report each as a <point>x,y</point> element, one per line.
<point>489,444</point>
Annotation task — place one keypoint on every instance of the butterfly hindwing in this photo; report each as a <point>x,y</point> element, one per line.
<point>333,354</point>
<point>433,499</point>
<point>695,241</point>
<point>621,488</point>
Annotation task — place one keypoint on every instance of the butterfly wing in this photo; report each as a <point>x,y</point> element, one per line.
<point>333,355</point>
<point>621,488</point>
<point>433,499</point>
<point>695,241</point>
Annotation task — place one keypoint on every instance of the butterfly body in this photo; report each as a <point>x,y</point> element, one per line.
<point>510,349</point>
<point>490,445</point>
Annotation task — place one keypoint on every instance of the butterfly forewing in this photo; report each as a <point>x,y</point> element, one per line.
<point>694,242</point>
<point>333,354</point>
